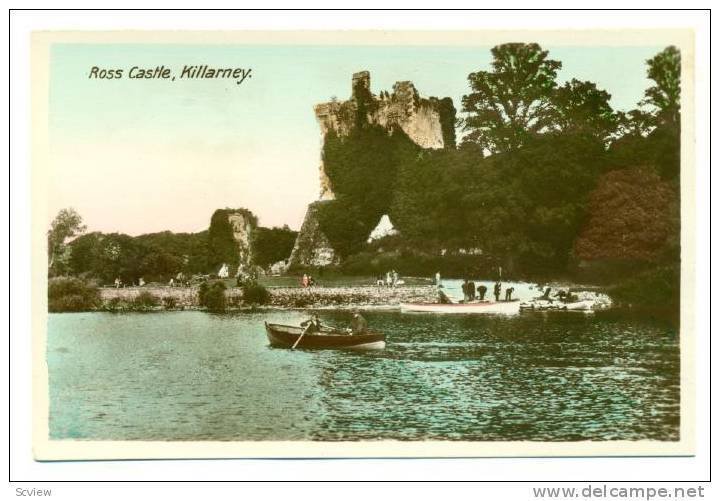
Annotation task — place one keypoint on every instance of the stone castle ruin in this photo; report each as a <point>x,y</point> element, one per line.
<point>429,122</point>
<point>420,118</point>
<point>242,225</point>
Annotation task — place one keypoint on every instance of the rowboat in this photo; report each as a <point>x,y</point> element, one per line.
<point>586,306</point>
<point>285,336</point>
<point>487,307</point>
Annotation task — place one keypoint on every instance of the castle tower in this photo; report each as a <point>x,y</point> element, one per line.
<point>360,82</point>
<point>424,120</point>
<point>429,122</point>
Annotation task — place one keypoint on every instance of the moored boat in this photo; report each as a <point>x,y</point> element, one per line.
<point>544,305</point>
<point>285,336</point>
<point>486,307</point>
<point>583,301</point>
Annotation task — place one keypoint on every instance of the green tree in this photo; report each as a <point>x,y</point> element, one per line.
<point>511,103</point>
<point>435,193</point>
<point>66,225</point>
<point>582,108</point>
<point>271,245</point>
<point>211,295</point>
<point>664,96</point>
<point>650,135</point>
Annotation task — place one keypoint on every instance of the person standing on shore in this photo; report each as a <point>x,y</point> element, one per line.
<point>471,290</point>
<point>496,290</point>
<point>508,293</point>
<point>482,290</point>
<point>466,293</point>
<point>438,283</point>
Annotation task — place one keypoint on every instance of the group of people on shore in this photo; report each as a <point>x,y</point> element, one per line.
<point>390,279</point>
<point>472,293</point>
<point>119,284</point>
<point>307,281</point>
<point>179,280</point>
<point>564,296</point>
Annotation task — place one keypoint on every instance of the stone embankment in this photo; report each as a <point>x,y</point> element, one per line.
<point>280,297</point>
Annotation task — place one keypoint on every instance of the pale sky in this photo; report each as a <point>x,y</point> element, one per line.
<point>140,156</point>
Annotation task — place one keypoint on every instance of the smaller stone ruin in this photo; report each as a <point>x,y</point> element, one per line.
<point>312,247</point>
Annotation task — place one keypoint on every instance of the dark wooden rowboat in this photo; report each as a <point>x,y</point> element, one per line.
<point>284,336</point>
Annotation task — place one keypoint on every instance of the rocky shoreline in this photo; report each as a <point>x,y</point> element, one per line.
<point>184,298</point>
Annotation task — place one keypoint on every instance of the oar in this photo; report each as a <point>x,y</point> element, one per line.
<point>301,336</point>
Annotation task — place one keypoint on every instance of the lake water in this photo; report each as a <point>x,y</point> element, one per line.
<point>197,376</point>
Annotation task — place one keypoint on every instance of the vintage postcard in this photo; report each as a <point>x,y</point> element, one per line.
<point>363,244</point>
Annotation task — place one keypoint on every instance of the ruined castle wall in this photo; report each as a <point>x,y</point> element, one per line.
<point>242,226</point>
<point>312,247</point>
<point>419,118</point>
<point>422,124</point>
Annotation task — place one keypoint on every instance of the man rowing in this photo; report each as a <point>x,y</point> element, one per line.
<point>358,325</point>
<point>312,324</point>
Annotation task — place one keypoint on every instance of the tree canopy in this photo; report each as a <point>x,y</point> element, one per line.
<point>66,225</point>
<point>632,216</point>
<point>664,96</point>
<point>581,108</point>
<point>511,103</point>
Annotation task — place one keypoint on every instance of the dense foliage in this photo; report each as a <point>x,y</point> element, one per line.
<point>633,215</point>
<point>510,103</point>
<point>66,225</point>
<point>157,257</point>
<point>222,248</point>
<point>363,169</point>
<point>145,301</point>
<point>271,245</point>
<point>71,294</point>
<point>655,291</point>
<point>255,294</point>
<point>447,112</point>
<point>154,257</point>
<point>211,295</point>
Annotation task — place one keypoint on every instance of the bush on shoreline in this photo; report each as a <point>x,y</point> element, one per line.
<point>169,302</point>
<point>255,294</point>
<point>145,301</point>
<point>212,296</point>
<point>71,294</point>
<point>655,291</point>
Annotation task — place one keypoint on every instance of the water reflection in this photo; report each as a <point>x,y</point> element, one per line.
<point>194,376</point>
